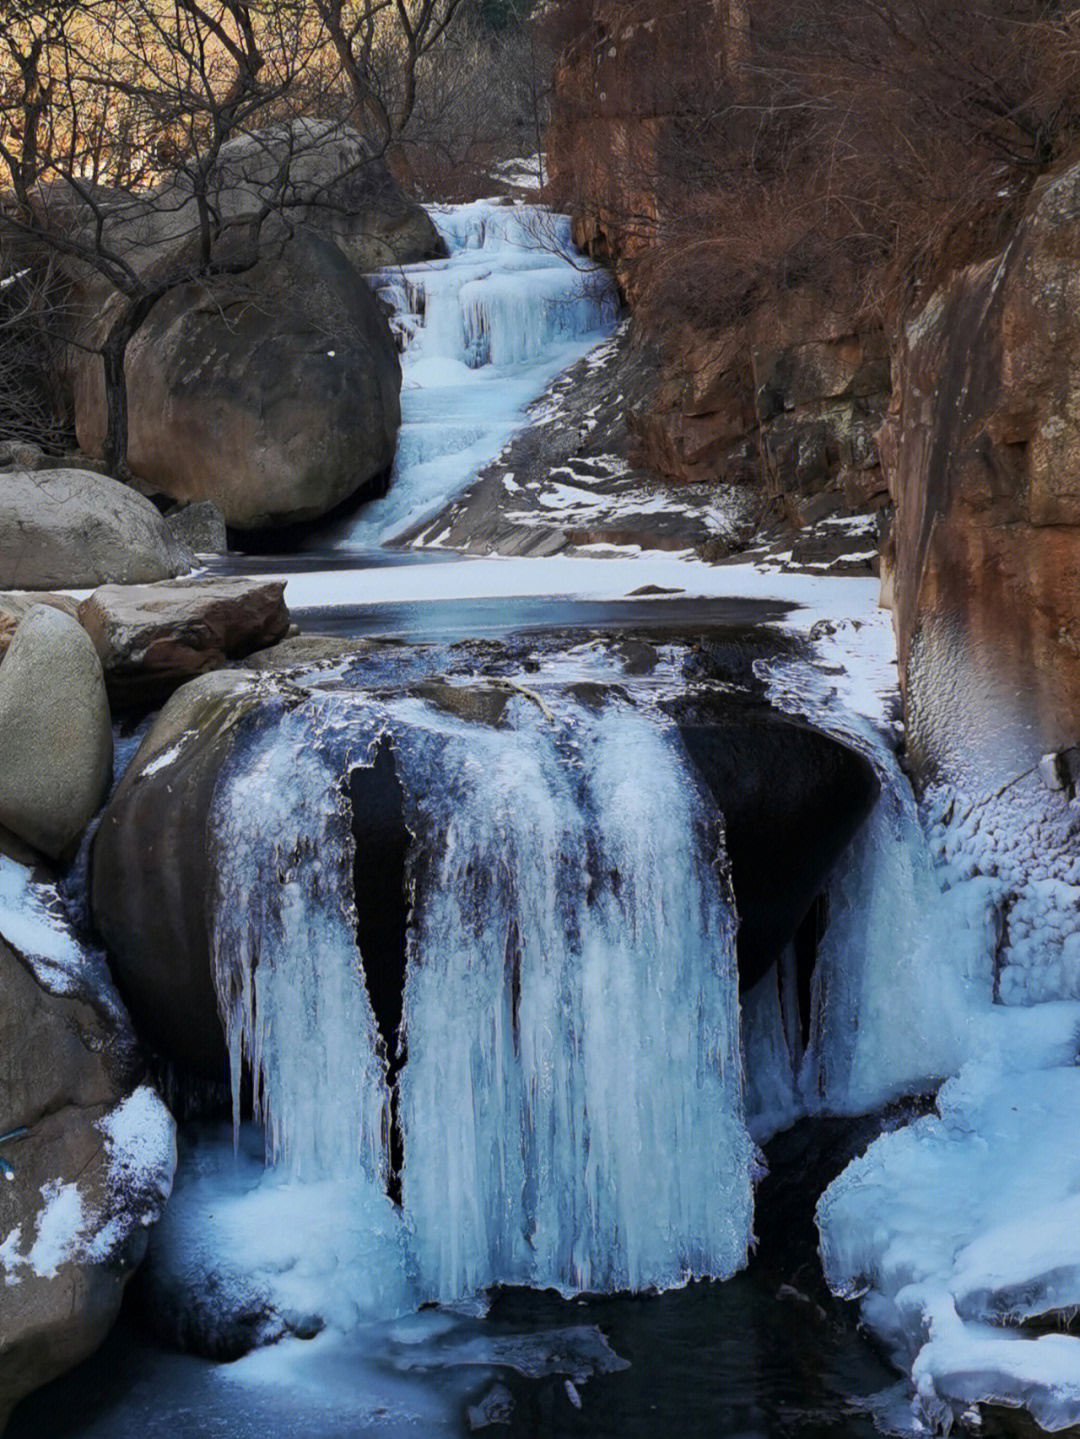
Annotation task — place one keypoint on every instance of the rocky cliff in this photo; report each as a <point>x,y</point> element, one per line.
<point>970,399</point>
<point>982,452</point>
<point>788,395</point>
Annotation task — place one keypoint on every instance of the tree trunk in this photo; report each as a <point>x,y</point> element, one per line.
<point>114,354</point>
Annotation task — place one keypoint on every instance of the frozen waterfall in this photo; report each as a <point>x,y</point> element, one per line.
<point>482,333</point>
<point>571,1101</point>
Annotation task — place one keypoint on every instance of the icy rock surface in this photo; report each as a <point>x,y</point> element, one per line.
<point>482,333</point>
<point>288,973</point>
<point>958,1233</point>
<point>1019,845</point>
<point>257,1253</point>
<point>965,1225</point>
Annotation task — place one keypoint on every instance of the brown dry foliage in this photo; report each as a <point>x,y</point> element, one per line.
<point>855,147</point>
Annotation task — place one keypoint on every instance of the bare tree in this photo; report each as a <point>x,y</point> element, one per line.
<point>382,46</point>
<point>103,90</point>
<point>32,312</point>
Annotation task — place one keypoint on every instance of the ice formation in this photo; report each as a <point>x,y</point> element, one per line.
<point>961,1233</point>
<point>482,333</point>
<point>34,923</point>
<point>949,952</point>
<point>571,1104</point>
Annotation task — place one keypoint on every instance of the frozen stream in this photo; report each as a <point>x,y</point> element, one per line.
<point>482,333</point>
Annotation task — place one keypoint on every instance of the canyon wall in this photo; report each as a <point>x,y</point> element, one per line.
<point>982,453</point>
<point>972,405</point>
<point>789,396</point>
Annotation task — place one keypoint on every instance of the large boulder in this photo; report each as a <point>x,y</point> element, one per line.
<point>333,185</point>
<point>270,384</point>
<point>982,452</point>
<point>317,175</point>
<point>72,529</point>
<point>86,1151</point>
<point>152,638</point>
<point>151,876</point>
<point>15,606</point>
<point>271,388</point>
<point>55,732</point>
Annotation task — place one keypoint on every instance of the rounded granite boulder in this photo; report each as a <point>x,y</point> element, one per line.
<point>55,732</point>
<point>74,529</point>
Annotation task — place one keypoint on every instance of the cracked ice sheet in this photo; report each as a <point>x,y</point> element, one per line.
<point>968,1221</point>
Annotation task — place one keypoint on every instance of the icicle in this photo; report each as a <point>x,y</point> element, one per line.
<point>572,1100</point>
<point>286,963</point>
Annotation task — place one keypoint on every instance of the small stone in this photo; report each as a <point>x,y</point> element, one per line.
<point>1052,771</point>
<point>200,526</point>
<point>496,1407</point>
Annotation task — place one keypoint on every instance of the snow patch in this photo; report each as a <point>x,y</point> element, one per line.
<point>33,922</point>
<point>964,1225</point>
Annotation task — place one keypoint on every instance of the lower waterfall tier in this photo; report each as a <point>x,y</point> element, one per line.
<point>568,1067</point>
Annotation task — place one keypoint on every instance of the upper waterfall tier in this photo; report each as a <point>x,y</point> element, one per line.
<point>482,333</point>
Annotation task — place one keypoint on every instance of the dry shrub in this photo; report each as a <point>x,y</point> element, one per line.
<point>31,317</point>
<point>854,148</point>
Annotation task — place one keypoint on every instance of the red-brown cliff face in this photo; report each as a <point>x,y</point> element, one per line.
<point>982,453</point>
<point>789,396</point>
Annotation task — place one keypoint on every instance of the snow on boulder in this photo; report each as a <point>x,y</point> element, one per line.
<point>87,1151</point>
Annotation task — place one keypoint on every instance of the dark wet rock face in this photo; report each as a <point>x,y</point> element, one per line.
<point>151,878</point>
<point>382,846</point>
<point>792,801</point>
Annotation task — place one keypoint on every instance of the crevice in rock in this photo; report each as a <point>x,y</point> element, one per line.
<point>792,799</point>
<point>808,937</point>
<point>382,841</point>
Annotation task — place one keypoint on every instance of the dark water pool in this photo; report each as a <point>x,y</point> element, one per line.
<point>767,1353</point>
